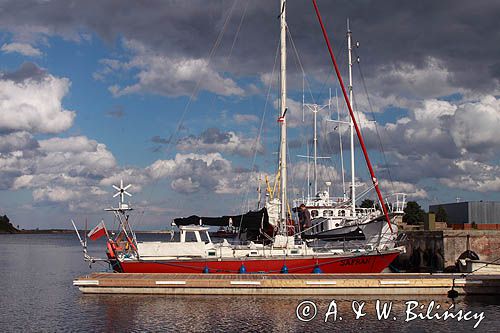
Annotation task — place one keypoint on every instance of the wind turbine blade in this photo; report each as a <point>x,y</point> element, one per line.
<point>121,183</point>
<point>127,187</point>
<point>127,193</point>
<point>116,187</point>
<point>117,194</point>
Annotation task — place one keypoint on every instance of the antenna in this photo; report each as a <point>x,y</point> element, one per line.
<point>85,246</point>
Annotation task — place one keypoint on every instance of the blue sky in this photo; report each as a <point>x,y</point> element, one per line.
<point>91,93</point>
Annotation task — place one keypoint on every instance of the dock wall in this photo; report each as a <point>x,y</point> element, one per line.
<point>439,250</point>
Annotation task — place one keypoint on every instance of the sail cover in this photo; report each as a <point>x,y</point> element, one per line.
<point>253,220</point>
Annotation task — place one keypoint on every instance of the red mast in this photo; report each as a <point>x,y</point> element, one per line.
<point>358,132</point>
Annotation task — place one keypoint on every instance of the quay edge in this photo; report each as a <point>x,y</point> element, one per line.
<point>284,284</point>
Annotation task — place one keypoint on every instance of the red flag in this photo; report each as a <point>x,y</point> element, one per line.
<point>98,231</point>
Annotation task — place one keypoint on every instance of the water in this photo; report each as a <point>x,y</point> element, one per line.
<point>36,294</point>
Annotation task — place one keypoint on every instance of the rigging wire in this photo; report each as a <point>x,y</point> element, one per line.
<point>226,60</point>
<point>330,74</point>
<point>195,91</point>
<point>320,93</point>
<point>297,60</point>
<point>370,106</point>
<point>259,135</point>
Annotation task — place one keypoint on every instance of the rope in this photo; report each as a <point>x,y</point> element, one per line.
<point>485,265</point>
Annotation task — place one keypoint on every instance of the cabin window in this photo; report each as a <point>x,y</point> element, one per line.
<point>330,212</point>
<point>211,253</point>
<point>295,251</point>
<point>314,213</point>
<point>341,212</point>
<point>204,237</point>
<point>190,237</point>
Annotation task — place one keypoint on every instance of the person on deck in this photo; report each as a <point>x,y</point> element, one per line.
<point>304,217</point>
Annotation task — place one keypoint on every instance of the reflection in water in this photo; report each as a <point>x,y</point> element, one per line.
<point>275,314</point>
<point>36,294</point>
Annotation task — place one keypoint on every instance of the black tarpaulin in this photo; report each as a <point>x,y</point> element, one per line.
<point>253,220</point>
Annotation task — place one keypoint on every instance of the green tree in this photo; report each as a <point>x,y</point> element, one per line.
<point>414,214</point>
<point>441,215</point>
<point>367,203</point>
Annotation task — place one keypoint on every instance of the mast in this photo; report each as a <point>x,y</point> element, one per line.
<point>341,152</point>
<point>282,118</point>
<point>315,140</point>
<point>351,124</point>
<point>351,113</point>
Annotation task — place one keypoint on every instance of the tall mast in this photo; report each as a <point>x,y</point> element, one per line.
<point>351,113</point>
<point>315,112</point>
<point>282,118</point>
<point>351,123</point>
<point>341,149</point>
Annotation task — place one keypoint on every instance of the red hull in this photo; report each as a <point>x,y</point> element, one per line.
<point>374,263</point>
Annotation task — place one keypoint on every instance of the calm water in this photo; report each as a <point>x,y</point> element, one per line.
<point>36,294</point>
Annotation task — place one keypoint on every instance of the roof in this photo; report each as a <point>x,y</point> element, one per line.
<point>193,227</point>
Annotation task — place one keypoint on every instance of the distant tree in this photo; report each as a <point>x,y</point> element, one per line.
<point>414,214</point>
<point>367,203</point>
<point>6,226</point>
<point>441,215</point>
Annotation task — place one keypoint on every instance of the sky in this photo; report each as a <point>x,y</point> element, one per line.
<point>179,99</point>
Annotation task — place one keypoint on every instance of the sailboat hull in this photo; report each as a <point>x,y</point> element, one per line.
<point>355,263</point>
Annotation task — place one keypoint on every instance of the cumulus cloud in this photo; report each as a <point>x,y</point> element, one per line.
<point>170,76</point>
<point>17,141</point>
<point>60,169</point>
<point>33,102</point>
<point>210,172</point>
<point>413,191</point>
<point>65,194</point>
<point>438,140</point>
<point>214,140</point>
<point>426,30</point>
<point>474,175</point>
<point>241,118</point>
<point>21,48</point>
<point>474,125</point>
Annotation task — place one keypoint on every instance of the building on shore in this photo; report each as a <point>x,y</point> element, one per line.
<point>483,215</point>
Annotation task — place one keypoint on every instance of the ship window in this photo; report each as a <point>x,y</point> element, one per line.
<point>211,253</point>
<point>314,213</point>
<point>330,212</point>
<point>190,237</point>
<point>295,251</point>
<point>341,212</point>
<point>204,237</point>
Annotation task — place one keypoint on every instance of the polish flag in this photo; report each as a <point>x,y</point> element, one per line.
<point>98,231</point>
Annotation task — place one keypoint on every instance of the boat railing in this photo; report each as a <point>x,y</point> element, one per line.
<point>320,201</point>
<point>396,203</point>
